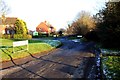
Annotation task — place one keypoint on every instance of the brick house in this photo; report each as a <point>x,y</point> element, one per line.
<point>44,28</point>
<point>8,26</point>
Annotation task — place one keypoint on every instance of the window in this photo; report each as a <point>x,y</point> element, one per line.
<point>40,29</point>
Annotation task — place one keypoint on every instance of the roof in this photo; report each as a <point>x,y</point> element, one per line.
<point>9,20</point>
<point>43,26</point>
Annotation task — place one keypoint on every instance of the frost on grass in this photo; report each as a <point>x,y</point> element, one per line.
<point>110,52</point>
<point>53,43</point>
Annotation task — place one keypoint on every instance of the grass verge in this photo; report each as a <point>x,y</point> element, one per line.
<point>35,46</point>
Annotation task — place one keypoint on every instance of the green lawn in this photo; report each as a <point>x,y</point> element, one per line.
<point>6,42</point>
<point>35,46</point>
<point>111,67</point>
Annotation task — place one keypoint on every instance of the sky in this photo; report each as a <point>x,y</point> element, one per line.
<point>58,13</point>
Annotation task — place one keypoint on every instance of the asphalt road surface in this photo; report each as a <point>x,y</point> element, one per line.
<point>72,60</point>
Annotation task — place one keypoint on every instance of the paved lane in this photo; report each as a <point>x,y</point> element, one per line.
<point>60,63</point>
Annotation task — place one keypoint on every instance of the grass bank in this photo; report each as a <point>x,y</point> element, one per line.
<point>34,47</point>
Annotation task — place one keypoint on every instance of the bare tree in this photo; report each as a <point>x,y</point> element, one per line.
<point>4,8</point>
<point>82,25</point>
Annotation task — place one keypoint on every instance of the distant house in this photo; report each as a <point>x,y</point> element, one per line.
<point>8,26</point>
<point>43,27</point>
<point>30,32</point>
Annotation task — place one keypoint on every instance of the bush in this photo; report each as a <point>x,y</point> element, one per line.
<point>18,36</point>
<point>111,41</point>
<point>6,36</point>
<point>83,39</point>
<point>29,36</point>
<point>109,38</point>
<point>92,36</point>
<point>22,36</point>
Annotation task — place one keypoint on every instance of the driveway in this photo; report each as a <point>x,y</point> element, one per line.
<point>72,60</point>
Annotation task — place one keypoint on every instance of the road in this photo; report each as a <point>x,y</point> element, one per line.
<point>72,60</point>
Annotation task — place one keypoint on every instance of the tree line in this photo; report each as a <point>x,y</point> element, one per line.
<point>104,27</point>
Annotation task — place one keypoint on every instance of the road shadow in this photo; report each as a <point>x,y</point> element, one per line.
<point>67,67</point>
<point>47,60</point>
<point>22,66</point>
<point>37,58</point>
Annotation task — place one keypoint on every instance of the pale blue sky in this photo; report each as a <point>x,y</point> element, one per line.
<point>57,12</point>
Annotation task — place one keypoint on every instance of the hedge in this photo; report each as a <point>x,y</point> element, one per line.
<point>16,36</point>
<point>6,36</point>
<point>22,36</point>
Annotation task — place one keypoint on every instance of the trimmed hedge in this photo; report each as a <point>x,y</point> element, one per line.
<point>92,36</point>
<point>22,36</point>
<point>6,36</point>
<point>17,36</point>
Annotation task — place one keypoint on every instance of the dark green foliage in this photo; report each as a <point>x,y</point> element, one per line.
<point>109,27</point>
<point>35,41</point>
<point>61,31</point>
<point>92,36</point>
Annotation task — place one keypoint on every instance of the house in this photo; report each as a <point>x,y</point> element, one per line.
<point>2,29</point>
<point>45,28</point>
<point>31,32</point>
<point>7,26</point>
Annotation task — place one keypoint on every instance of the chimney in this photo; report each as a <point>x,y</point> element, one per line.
<point>45,22</point>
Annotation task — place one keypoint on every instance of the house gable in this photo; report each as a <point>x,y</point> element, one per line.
<point>8,26</point>
<point>8,21</point>
<point>42,27</point>
<point>45,27</point>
